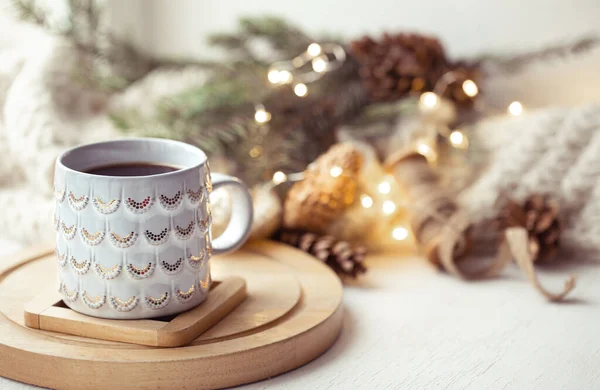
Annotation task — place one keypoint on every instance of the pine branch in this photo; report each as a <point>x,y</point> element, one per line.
<point>219,116</point>
<point>285,38</point>
<point>27,10</point>
<point>516,63</point>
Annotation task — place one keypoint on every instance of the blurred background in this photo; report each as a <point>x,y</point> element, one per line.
<point>466,27</point>
<point>209,73</point>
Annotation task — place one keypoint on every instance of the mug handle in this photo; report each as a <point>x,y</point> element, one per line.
<point>238,228</point>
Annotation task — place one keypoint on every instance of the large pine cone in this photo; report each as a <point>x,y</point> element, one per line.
<point>403,64</point>
<point>539,216</point>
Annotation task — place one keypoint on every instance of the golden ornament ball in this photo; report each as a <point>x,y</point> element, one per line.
<point>329,187</point>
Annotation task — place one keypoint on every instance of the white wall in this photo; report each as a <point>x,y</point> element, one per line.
<point>178,28</point>
<point>468,27</point>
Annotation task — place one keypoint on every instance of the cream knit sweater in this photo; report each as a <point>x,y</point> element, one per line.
<point>44,113</point>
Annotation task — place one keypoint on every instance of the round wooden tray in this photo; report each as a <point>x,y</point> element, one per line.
<point>293,313</point>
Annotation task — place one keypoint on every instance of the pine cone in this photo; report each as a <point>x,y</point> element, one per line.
<point>539,216</point>
<point>339,255</point>
<point>398,64</point>
<point>402,64</point>
<point>316,201</point>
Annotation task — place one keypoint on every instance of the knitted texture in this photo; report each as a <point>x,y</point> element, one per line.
<point>44,112</point>
<point>554,151</point>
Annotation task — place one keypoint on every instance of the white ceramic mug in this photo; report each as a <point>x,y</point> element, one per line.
<point>139,247</point>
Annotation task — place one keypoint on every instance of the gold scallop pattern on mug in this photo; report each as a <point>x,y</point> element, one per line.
<point>56,222</point>
<point>208,249</point>
<point>78,203</point>
<point>171,203</point>
<point>158,303</point>
<point>59,194</point>
<point>121,305</point>
<point>123,241</point>
<point>186,232</point>
<point>93,302</point>
<point>68,232</point>
<point>185,296</point>
<point>69,296</point>
<point>139,207</point>
<point>207,179</point>
<point>61,257</point>
<point>204,224</point>
<point>106,207</point>
<point>196,261</point>
<point>157,238</point>
<point>91,239</point>
<point>195,196</point>
<point>80,267</point>
<point>171,269</point>
<point>205,283</point>
<point>107,273</point>
<point>140,272</point>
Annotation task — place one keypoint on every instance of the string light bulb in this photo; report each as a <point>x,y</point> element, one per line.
<point>384,187</point>
<point>274,76</point>
<point>336,171</point>
<point>279,177</point>
<point>515,108</point>
<point>300,89</point>
<point>285,77</point>
<point>388,207</point>
<point>262,116</point>
<point>425,150</point>
<point>470,88</point>
<point>256,151</point>
<point>319,65</point>
<point>400,233</point>
<point>458,139</point>
<point>428,100</point>
<point>314,49</point>
<point>366,201</point>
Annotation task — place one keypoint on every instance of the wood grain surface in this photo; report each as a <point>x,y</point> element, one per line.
<point>264,345</point>
<point>408,326</point>
<point>45,312</point>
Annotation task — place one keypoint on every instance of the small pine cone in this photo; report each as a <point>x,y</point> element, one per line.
<point>539,216</point>
<point>454,91</point>
<point>313,203</point>
<point>339,255</point>
<point>404,64</point>
<point>398,64</point>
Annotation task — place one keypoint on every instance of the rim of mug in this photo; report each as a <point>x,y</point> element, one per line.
<point>80,148</point>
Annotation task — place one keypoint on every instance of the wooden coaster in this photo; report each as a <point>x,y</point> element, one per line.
<point>48,312</point>
<point>293,313</point>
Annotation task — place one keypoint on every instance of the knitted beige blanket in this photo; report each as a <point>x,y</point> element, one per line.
<point>553,151</point>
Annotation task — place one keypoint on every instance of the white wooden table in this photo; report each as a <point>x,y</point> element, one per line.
<point>408,326</point>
